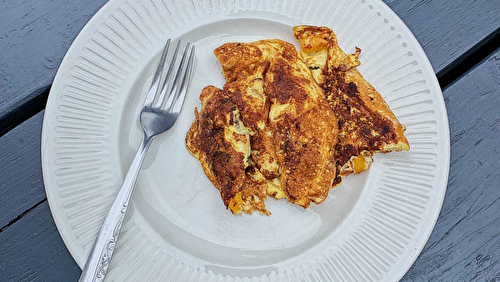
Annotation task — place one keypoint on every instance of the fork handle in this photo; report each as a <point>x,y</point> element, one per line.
<point>100,255</point>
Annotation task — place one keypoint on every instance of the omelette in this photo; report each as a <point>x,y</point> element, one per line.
<point>220,140</point>
<point>304,128</point>
<point>286,133</point>
<point>244,66</point>
<point>366,123</point>
<point>288,124</point>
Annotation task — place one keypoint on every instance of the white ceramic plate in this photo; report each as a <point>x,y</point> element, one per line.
<point>371,228</point>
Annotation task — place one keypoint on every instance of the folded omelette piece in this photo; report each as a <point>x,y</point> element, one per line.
<point>244,66</point>
<point>218,138</point>
<point>366,123</point>
<point>304,128</point>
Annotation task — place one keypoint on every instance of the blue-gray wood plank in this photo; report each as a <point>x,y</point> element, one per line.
<point>465,243</point>
<point>448,29</point>
<point>32,250</point>
<point>21,183</point>
<point>34,36</point>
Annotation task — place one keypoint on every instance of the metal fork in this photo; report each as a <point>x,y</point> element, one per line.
<point>157,116</point>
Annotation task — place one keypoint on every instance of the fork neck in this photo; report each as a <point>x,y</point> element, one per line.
<point>146,142</point>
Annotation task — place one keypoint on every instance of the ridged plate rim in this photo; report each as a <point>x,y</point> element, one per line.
<point>233,10</point>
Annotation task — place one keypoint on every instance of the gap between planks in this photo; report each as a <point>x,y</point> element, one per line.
<point>22,215</point>
<point>468,60</point>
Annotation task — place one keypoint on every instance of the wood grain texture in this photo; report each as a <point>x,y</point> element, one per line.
<point>32,250</point>
<point>21,184</point>
<point>464,245</point>
<point>34,36</point>
<point>447,29</point>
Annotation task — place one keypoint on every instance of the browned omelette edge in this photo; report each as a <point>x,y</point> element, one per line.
<point>347,90</point>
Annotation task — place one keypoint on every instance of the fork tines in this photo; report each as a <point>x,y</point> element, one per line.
<point>173,88</point>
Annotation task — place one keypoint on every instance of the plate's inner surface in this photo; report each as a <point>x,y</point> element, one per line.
<point>180,204</point>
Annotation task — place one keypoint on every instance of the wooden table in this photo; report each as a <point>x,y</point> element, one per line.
<point>461,39</point>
